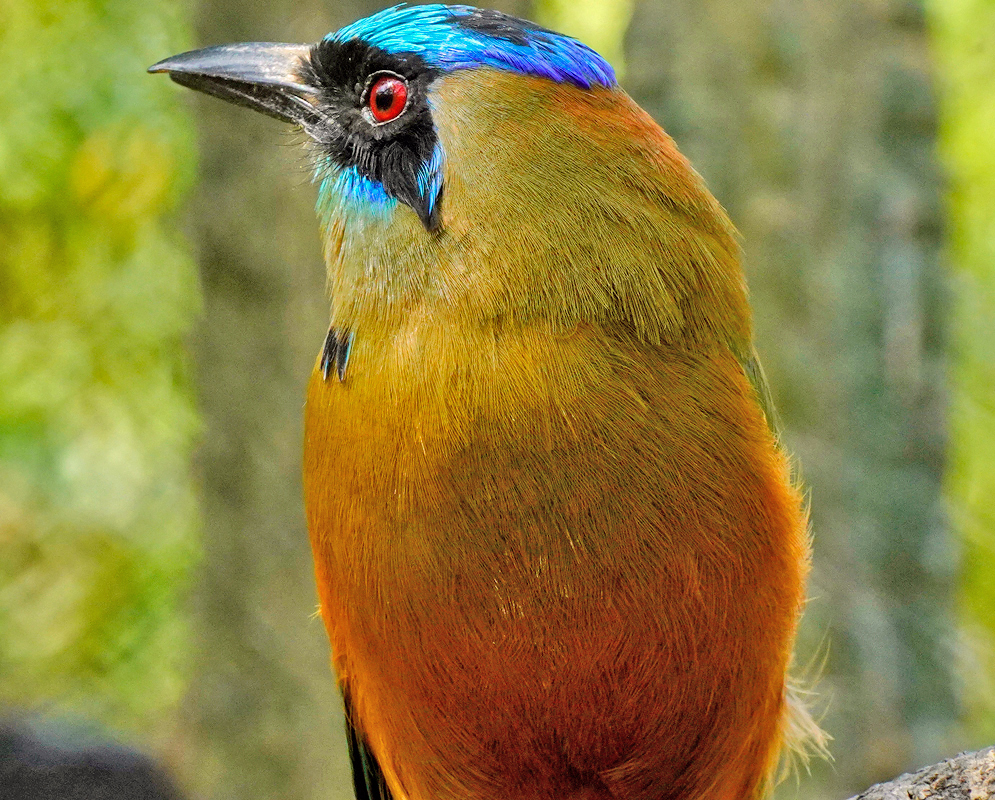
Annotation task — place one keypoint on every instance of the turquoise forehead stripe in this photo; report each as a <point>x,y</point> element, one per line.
<point>434,33</point>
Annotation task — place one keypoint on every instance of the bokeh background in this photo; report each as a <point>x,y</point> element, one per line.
<point>162,303</point>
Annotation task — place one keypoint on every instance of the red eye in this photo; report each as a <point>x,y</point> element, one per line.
<point>388,97</point>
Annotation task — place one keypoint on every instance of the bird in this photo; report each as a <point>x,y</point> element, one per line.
<point>559,548</point>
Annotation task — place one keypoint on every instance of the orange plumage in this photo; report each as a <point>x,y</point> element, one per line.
<point>558,550</point>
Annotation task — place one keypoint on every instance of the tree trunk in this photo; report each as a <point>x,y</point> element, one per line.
<point>969,776</point>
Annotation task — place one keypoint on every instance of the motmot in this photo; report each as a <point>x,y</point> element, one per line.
<point>558,546</point>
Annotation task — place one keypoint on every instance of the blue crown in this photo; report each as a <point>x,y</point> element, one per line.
<point>463,37</point>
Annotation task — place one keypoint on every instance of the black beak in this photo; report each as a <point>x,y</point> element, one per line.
<point>264,76</point>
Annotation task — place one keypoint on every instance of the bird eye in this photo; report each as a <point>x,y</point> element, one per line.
<point>387,97</point>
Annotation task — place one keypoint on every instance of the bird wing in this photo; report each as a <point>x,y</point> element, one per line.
<point>755,373</point>
<point>367,777</point>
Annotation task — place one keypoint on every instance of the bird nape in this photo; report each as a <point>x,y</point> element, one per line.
<point>558,549</point>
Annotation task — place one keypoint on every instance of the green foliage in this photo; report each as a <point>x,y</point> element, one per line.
<point>97,289</point>
<point>964,35</point>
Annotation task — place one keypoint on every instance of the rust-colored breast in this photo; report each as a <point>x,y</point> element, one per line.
<point>554,566</point>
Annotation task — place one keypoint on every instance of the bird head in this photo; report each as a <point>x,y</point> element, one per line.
<point>468,159</point>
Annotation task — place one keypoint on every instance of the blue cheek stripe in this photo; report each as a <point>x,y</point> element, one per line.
<point>430,178</point>
<point>344,191</point>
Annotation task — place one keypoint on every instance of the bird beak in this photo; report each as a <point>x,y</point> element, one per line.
<point>264,76</point>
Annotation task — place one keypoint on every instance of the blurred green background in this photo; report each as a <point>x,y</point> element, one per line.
<point>162,302</point>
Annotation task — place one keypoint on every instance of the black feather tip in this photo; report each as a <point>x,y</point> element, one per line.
<point>335,353</point>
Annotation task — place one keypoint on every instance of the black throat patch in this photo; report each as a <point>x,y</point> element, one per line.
<point>391,153</point>
<point>335,353</point>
